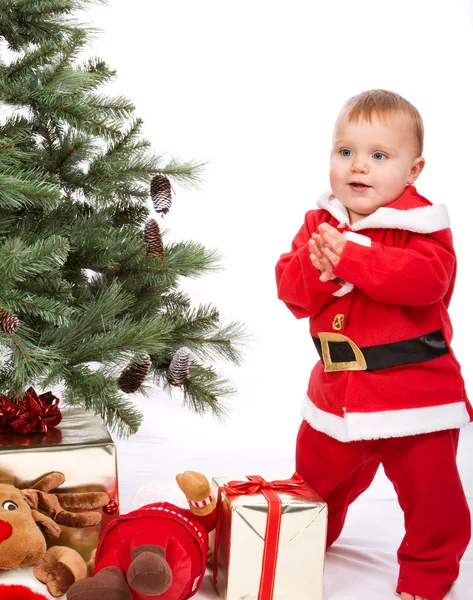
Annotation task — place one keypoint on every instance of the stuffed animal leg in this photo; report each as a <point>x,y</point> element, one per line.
<point>148,574</point>
<point>59,568</point>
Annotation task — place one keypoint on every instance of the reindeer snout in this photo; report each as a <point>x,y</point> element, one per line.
<point>5,530</point>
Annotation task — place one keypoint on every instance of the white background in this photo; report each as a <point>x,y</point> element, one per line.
<point>254,88</point>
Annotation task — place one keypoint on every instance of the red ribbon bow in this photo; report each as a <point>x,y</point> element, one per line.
<point>255,485</point>
<point>31,414</point>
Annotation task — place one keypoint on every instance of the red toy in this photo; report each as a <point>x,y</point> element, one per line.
<point>19,592</point>
<point>159,550</point>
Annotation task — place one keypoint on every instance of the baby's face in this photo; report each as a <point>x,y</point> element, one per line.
<point>371,163</point>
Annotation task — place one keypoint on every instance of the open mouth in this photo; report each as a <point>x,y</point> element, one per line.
<point>357,185</point>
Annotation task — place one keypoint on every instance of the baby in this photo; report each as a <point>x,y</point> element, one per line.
<point>374,270</point>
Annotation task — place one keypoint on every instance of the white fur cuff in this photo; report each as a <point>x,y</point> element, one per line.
<point>357,238</point>
<point>345,289</point>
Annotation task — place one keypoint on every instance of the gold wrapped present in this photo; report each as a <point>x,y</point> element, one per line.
<point>81,448</point>
<point>270,540</point>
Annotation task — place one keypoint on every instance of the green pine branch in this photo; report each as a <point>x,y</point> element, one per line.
<point>204,391</point>
<point>98,392</point>
<point>187,174</point>
<point>30,307</point>
<point>75,268</point>
<point>25,22</point>
<point>18,260</point>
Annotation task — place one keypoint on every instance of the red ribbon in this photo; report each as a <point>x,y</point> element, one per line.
<point>30,414</point>
<point>255,485</point>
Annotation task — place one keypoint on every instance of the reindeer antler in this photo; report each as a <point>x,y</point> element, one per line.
<point>55,505</point>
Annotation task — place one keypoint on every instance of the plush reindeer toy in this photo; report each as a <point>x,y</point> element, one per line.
<point>28,516</point>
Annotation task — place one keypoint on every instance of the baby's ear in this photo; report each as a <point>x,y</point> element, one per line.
<point>416,169</point>
<point>47,525</point>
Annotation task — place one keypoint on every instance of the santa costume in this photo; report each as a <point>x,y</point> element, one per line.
<point>388,387</point>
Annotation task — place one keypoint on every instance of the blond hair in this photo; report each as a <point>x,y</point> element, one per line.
<point>383,103</point>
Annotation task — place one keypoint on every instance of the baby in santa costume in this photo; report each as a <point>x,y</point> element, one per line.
<point>374,269</point>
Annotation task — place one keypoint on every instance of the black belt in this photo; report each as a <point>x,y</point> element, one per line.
<point>407,352</point>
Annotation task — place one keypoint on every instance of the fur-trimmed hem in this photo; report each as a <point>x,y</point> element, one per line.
<point>387,423</point>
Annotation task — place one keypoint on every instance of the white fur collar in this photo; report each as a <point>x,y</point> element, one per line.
<point>422,219</point>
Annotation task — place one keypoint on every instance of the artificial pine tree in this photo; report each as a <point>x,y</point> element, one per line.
<point>89,296</point>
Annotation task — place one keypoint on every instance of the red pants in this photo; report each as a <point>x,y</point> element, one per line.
<point>424,473</point>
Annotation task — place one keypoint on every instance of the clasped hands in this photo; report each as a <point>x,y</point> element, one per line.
<point>325,249</point>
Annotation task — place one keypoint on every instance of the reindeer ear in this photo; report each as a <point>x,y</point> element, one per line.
<point>47,525</point>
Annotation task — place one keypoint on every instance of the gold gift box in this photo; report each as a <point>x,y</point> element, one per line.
<point>301,552</point>
<point>81,448</point>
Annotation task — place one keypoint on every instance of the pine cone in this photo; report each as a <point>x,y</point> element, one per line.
<point>161,194</point>
<point>153,239</point>
<point>179,368</point>
<point>9,323</point>
<point>134,375</point>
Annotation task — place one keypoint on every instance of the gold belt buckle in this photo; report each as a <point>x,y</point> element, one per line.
<point>359,364</point>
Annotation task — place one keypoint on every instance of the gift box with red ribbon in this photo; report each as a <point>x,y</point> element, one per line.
<point>35,441</point>
<point>270,539</point>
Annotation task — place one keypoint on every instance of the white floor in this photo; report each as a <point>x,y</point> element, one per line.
<point>361,565</point>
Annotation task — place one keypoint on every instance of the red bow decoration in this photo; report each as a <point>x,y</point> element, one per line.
<point>256,485</point>
<point>31,414</point>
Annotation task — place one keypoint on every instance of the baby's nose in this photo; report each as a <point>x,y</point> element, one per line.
<point>359,166</point>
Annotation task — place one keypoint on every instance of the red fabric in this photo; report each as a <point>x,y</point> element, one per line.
<point>176,529</point>
<point>403,286</point>
<point>19,592</point>
<point>424,473</point>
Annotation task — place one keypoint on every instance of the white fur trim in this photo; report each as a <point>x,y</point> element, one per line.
<point>357,238</point>
<point>423,219</point>
<point>386,423</point>
<point>23,576</point>
<point>345,289</point>
<point>328,202</point>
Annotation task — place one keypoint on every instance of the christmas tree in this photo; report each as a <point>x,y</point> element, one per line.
<point>89,291</point>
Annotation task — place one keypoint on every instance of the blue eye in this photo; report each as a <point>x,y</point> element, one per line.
<point>346,152</point>
<point>379,156</point>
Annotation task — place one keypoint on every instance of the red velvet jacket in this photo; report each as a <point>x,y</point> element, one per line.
<point>400,274</point>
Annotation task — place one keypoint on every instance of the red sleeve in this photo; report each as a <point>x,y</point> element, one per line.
<point>298,283</point>
<point>419,274</point>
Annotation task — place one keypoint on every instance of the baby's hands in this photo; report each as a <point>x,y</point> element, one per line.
<point>332,243</point>
<point>319,260</point>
